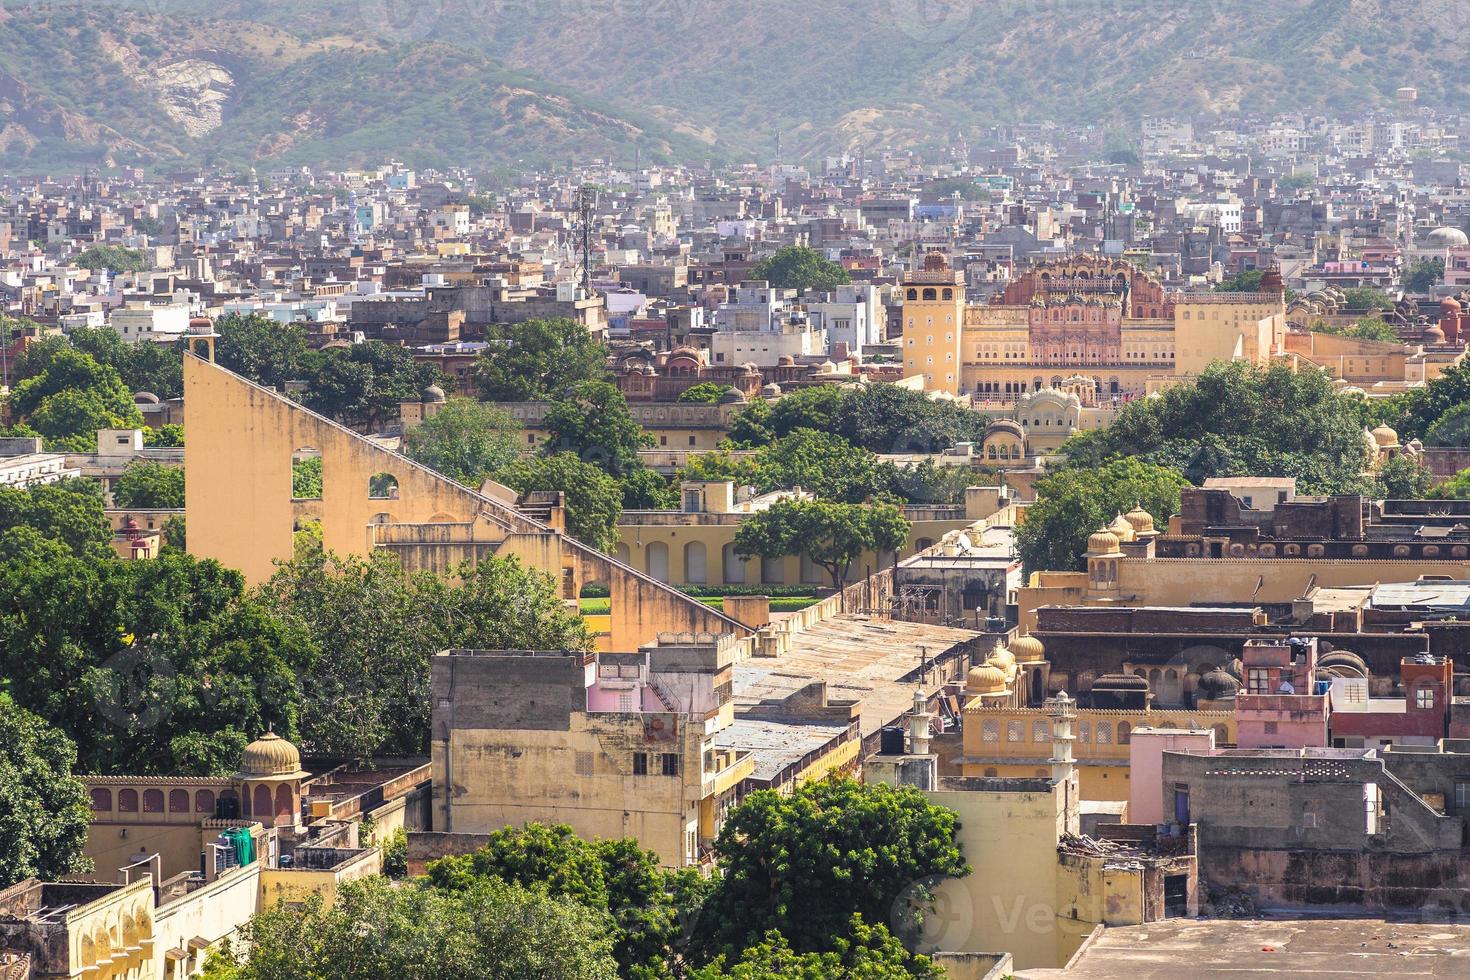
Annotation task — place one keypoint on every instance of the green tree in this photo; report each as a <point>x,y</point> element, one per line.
<point>1434,412</point>
<point>261,349</point>
<point>818,407</point>
<point>70,511</point>
<point>379,931</point>
<point>115,259</point>
<point>365,688</point>
<point>149,666</point>
<point>71,398</point>
<point>362,386</point>
<point>167,436</point>
<point>751,427</point>
<point>306,478</point>
<point>803,864</point>
<point>465,440</point>
<point>1240,420</point>
<point>704,393</point>
<point>1404,477</point>
<point>1367,298</point>
<point>825,464</point>
<point>864,953</point>
<point>833,535</point>
<point>152,367</point>
<point>612,877</point>
<point>539,360</point>
<point>594,500</point>
<point>1245,281</point>
<point>1368,328</point>
<point>44,811</point>
<point>1423,275</point>
<point>150,486</point>
<point>800,268</point>
<point>1073,502</point>
<point>644,489</point>
<point>593,421</point>
<point>1456,487</point>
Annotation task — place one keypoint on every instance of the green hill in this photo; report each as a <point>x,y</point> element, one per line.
<point>463,81</point>
<point>82,87</point>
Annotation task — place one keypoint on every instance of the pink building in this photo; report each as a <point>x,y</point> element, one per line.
<point>1280,706</point>
<point>1146,748</point>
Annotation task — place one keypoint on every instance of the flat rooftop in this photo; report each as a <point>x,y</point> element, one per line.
<point>1189,949</point>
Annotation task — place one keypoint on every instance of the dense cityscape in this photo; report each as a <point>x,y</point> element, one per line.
<point>1039,552</point>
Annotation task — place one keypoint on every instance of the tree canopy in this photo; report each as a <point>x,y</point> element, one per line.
<point>150,486</point>
<point>70,397</point>
<point>44,811</point>
<point>591,419</point>
<point>1240,420</point>
<point>69,511</point>
<point>364,684</point>
<point>1073,502</point>
<point>881,418</point>
<point>115,259</point>
<point>465,440</point>
<point>832,535</point>
<point>801,268</point>
<point>539,360</point>
<point>594,500</point>
<point>1423,275</point>
<point>704,393</point>
<point>375,930</point>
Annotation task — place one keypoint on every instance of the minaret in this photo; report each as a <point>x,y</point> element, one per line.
<point>921,725</point>
<point>1062,710</point>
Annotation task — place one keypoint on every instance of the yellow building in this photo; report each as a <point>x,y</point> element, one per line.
<point>696,544</point>
<point>933,320</point>
<point>1087,316</point>
<point>1036,890</point>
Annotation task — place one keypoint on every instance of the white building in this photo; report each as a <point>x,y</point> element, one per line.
<point>852,315</point>
<point>139,321</point>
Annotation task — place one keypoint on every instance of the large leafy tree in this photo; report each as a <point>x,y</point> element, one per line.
<point>115,259</point>
<point>364,689</point>
<point>804,864</point>
<point>593,421</point>
<point>825,464</point>
<point>801,268</point>
<point>643,902</point>
<point>865,953</point>
<point>150,666</point>
<point>704,393</point>
<point>1417,412</point>
<point>153,367</point>
<point>44,812</point>
<point>1423,275</point>
<point>833,535</point>
<point>1073,502</point>
<point>149,485</point>
<point>375,930</point>
<point>465,440</point>
<point>72,397</point>
<point>69,511</point>
<point>364,385</point>
<point>1241,420</point>
<point>881,418</point>
<point>539,360</point>
<point>594,500</point>
<point>264,350</point>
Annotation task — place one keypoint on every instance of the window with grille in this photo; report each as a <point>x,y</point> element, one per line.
<point>670,764</point>
<point>1104,733</point>
<point>1424,698</point>
<point>640,763</point>
<point>1040,732</point>
<point>584,763</point>
<point>1084,731</point>
<point>1015,731</point>
<point>1259,680</point>
<point>990,730</point>
<point>1462,794</point>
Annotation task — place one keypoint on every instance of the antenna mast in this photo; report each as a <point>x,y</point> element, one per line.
<point>586,198</point>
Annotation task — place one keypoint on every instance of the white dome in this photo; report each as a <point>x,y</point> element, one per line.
<point>1446,237</point>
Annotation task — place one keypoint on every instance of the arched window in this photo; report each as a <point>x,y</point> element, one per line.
<point>990,730</point>
<point>153,801</point>
<point>178,801</point>
<point>1125,733</point>
<point>949,294</point>
<point>1104,733</point>
<point>101,799</point>
<point>695,561</point>
<point>382,486</point>
<point>127,801</point>
<point>283,805</point>
<point>1222,734</point>
<point>930,295</point>
<point>773,571</point>
<point>656,560</point>
<point>913,294</point>
<point>204,801</point>
<point>260,804</point>
<point>734,568</point>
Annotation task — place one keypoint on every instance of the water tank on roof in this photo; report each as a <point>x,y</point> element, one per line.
<point>890,740</point>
